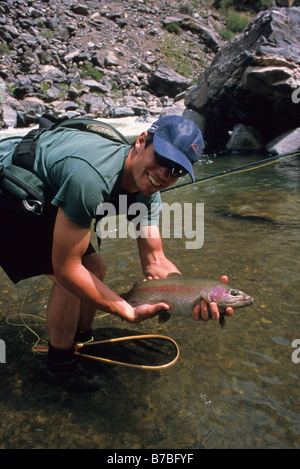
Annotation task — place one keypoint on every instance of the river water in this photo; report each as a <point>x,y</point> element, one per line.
<point>231,388</point>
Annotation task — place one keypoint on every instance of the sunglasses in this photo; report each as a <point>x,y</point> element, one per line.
<point>176,170</point>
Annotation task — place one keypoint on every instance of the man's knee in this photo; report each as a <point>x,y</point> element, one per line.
<point>95,264</point>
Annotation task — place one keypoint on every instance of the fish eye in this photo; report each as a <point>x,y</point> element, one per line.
<point>234,292</point>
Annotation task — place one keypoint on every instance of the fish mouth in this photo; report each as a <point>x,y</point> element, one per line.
<point>238,303</point>
<point>153,181</point>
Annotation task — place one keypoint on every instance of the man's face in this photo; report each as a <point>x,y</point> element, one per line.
<point>149,176</point>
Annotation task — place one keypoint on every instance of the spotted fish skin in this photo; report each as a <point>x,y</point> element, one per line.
<point>183,293</point>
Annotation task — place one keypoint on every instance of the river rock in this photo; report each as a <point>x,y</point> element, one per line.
<point>276,206</point>
<point>9,115</point>
<point>166,82</point>
<point>195,117</point>
<point>205,34</point>
<point>285,143</point>
<point>251,80</point>
<point>244,138</point>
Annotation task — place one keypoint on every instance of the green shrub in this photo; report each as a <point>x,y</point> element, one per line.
<point>47,34</point>
<point>88,70</point>
<point>45,87</point>
<point>4,49</point>
<point>186,8</point>
<point>177,56</point>
<point>173,28</point>
<point>263,5</point>
<point>235,22</point>
<point>244,5</point>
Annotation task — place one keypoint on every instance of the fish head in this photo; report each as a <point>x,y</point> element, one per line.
<point>226,296</point>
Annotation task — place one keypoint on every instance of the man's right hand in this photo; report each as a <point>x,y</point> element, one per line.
<point>145,311</point>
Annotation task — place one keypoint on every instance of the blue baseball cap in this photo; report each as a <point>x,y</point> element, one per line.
<point>178,139</point>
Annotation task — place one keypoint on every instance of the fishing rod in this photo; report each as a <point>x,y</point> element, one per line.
<point>238,169</point>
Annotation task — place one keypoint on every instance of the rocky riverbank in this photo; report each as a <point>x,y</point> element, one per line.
<point>110,60</point>
<point>142,59</point>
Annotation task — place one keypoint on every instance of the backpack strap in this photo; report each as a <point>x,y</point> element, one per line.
<point>97,127</point>
<point>24,154</point>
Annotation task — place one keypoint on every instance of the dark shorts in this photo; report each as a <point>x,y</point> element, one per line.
<point>26,239</point>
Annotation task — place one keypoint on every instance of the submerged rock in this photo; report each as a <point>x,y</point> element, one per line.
<point>276,207</point>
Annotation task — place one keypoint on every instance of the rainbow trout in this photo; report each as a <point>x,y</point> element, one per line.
<point>183,293</point>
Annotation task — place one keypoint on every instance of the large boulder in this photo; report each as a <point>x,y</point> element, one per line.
<point>252,80</point>
<point>165,82</point>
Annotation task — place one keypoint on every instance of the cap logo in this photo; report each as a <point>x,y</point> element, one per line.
<point>197,148</point>
<point>153,128</point>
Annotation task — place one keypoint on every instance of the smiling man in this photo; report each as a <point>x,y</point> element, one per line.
<point>80,171</point>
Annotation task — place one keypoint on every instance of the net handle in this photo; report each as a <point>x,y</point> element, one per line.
<point>44,349</point>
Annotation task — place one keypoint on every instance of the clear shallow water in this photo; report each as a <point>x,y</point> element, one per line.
<point>236,388</point>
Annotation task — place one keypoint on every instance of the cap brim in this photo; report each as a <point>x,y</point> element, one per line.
<point>171,153</point>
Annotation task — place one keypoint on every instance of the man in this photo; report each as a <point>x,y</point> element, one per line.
<point>81,171</point>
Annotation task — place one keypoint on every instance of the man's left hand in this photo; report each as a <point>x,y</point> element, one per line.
<point>205,312</point>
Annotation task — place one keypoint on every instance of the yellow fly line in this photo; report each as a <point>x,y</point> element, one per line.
<point>237,170</point>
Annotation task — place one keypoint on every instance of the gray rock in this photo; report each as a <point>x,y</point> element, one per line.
<point>29,110</point>
<point>93,103</point>
<point>94,85</point>
<point>80,9</point>
<point>111,59</point>
<point>206,35</point>
<point>73,54</point>
<point>285,143</point>
<point>122,111</point>
<point>166,82</point>
<point>52,73</point>
<point>2,91</point>
<point>53,93</point>
<point>244,138</point>
<point>194,116</point>
<point>9,116</point>
<point>251,80</point>
<point>172,20</point>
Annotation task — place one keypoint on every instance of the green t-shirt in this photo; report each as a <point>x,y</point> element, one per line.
<point>85,170</point>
